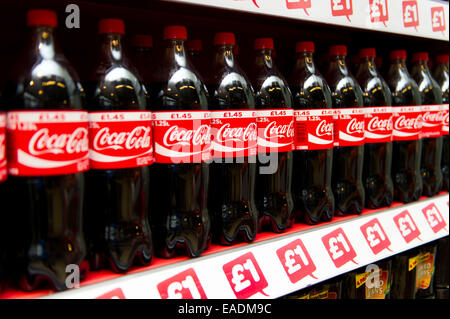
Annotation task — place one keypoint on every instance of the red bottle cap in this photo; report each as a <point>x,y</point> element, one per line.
<point>110,25</point>
<point>338,50</point>
<point>304,46</point>
<point>175,32</point>
<point>263,43</point>
<point>442,58</point>
<point>222,38</point>
<point>142,40</point>
<point>42,17</point>
<point>194,45</point>
<point>398,54</point>
<point>367,53</point>
<point>420,56</point>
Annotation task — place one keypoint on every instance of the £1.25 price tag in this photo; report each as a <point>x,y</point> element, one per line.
<point>296,261</point>
<point>245,277</point>
<point>375,236</point>
<point>407,227</point>
<point>339,247</point>
<point>184,285</point>
<point>434,217</point>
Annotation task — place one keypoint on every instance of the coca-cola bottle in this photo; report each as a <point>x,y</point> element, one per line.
<point>275,140</point>
<point>234,146</point>
<point>348,153</point>
<point>120,151</point>
<point>47,140</point>
<point>377,179</point>
<point>441,75</point>
<point>407,128</point>
<point>182,137</point>
<point>432,125</point>
<point>311,184</point>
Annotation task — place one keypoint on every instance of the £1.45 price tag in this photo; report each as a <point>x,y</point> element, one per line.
<point>245,277</point>
<point>434,217</point>
<point>407,227</point>
<point>339,247</point>
<point>184,285</point>
<point>375,236</point>
<point>296,261</point>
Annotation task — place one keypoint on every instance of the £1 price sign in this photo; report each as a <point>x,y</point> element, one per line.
<point>434,217</point>
<point>184,285</point>
<point>339,247</point>
<point>410,14</point>
<point>296,261</point>
<point>378,11</point>
<point>375,236</point>
<point>342,8</point>
<point>407,227</point>
<point>244,276</point>
<point>438,19</point>
<point>299,4</point>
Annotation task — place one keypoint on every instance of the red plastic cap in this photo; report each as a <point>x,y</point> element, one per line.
<point>442,58</point>
<point>263,43</point>
<point>42,17</point>
<point>175,32</point>
<point>338,50</point>
<point>398,55</point>
<point>194,45</point>
<point>420,56</point>
<point>304,46</point>
<point>224,38</point>
<point>110,25</point>
<point>367,53</point>
<point>142,40</point>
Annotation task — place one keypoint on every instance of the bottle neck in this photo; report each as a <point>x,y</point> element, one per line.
<point>225,56</point>
<point>423,65</point>
<point>305,61</point>
<point>368,64</point>
<point>264,58</point>
<point>111,48</point>
<point>175,50</point>
<point>43,41</point>
<point>398,65</point>
<point>337,62</point>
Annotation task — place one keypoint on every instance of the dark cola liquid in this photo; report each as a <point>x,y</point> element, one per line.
<point>347,182</point>
<point>431,147</point>
<point>272,190</point>
<point>45,231</point>
<point>379,189</point>
<point>117,224</point>
<point>232,187</point>
<point>406,154</point>
<point>311,184</point>
<point>179,212</point>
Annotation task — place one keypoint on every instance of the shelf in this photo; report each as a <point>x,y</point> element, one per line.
<point>275,264</point>
<point>424,18</point>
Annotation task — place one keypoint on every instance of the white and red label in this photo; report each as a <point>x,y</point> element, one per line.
<point>342,8</point>
<point>410,14</point>
<point>378,11</point>
<point>120,139</point>
<point>375,236</point>
<point>339,247</point>
<point>42,143</point>
<point>378,124</point>
<point>184,285</point>
<point>296,261</point>
<point>445,124</point>
<point>432,117</point>
<point>349,126</point>
<point>407,123</point>
<point>314,129</point>
<point>275,130</point>
<point>438,19</point>
<point>406,226</point>
<point>434,217</point>
<point>182,136</point>
<point>234,133</point>
<point>3,168</point>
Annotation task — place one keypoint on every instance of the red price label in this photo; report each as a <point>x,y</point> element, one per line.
<point>296,261</point>
<point>378,11</point>
<point>407,227</point>
<point>438,19</point>
<point>410,14</point>
<point>184,285</point>
<point>342,8</point>
<point>434,217</point>
<point>339,247</point>
<point>113,294</point>
<point>299,4</point>
<point>375,236</point>
<point>245,276</point>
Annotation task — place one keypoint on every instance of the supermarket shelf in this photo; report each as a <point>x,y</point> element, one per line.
<point>275,264</point>
<point>424,18</point>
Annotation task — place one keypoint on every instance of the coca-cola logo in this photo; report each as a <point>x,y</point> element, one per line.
<point>237,134</point>
<point>2,146</point>
<point>180,136</point>
<point>445,119</point>
<point>402,123</point>
<point>324,128</point>
<point>42,142</point>
<point>279,131</point>
<point>431,117</point>
<point>377,124</point>
<point>355,126</point>
<point>138,138</point>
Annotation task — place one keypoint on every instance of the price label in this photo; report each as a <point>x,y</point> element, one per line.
<point>410,14</point>
<point>116,293</point>
<point>244,276</point>
<point>378,11</point>
<point>438,19</point>
<point>296,261</point>
<point>434,217</point>
<point>342,8</point>
<point>375,236</point>
<point>407,227</point>
<point>184,285</point>
<point>339,247</point>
